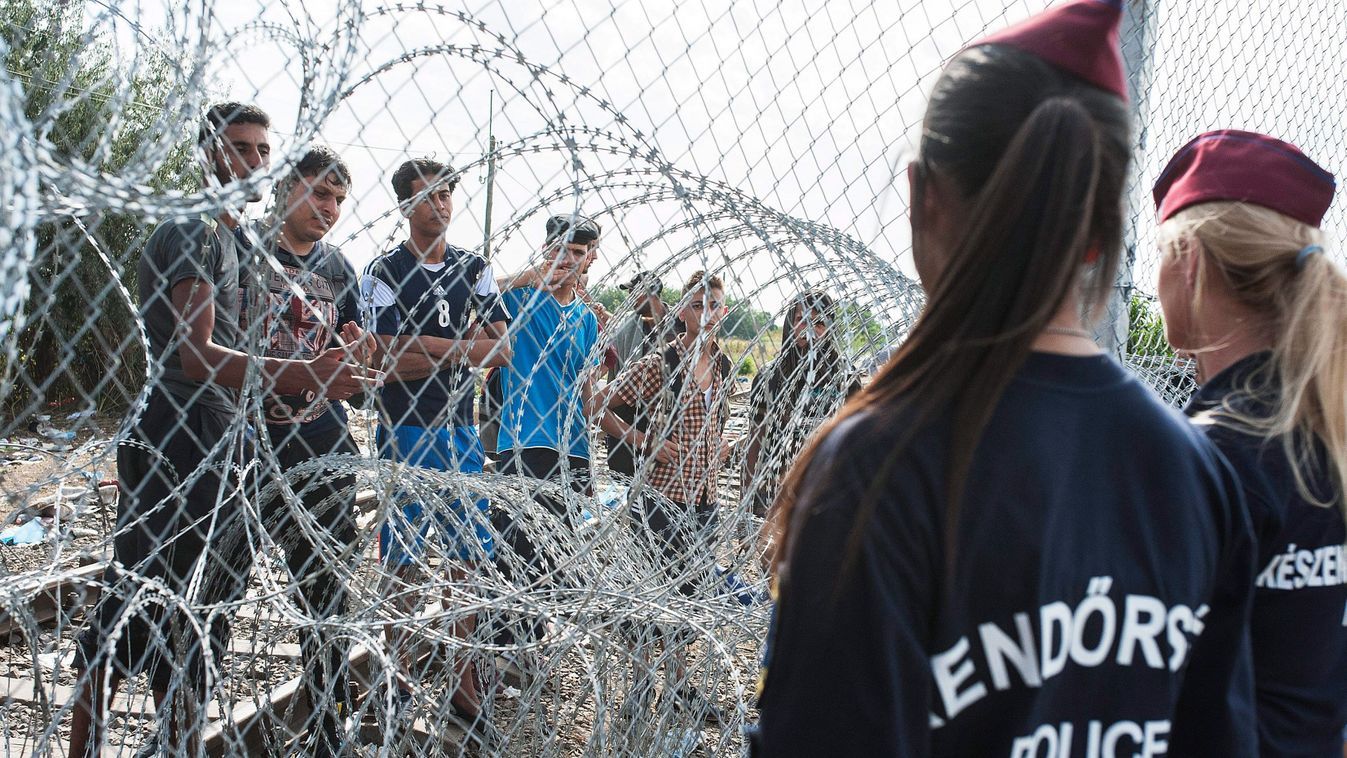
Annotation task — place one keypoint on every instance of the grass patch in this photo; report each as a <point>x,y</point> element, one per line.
<point>749,356</point>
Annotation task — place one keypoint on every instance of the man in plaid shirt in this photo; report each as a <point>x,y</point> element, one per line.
<point>679,398</point>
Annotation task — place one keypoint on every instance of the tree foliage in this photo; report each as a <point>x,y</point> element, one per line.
<point>743,322</point>
<point>1146,328</point>
<point>80,345</point>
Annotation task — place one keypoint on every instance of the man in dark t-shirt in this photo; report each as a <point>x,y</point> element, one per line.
<point>648,328</point>
<point>547,390</point>
<point>177,501</point>
<point>292,305</point>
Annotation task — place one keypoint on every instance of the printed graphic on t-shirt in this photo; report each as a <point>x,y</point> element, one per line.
<point>1107,627</point>
<point>1300,567</point>
<point>404,297</point>
<point>297,317</point>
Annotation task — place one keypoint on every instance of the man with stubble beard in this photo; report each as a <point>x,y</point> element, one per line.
<point>177,493</point>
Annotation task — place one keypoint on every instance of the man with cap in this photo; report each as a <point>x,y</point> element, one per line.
<point>647,327</point>
<point>436,312</point>
<point>645,330</point>
<point>547,387</point>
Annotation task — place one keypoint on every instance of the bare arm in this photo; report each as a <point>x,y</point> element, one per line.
<point>403,361</point>
<point>667,452</point>
<point>529,277</point>
<point>757,424</point>
<point>752,451</point>
<point>601,313</point>
<point>203,360</point>
<point>493,329</point>
<point>592,402</point>
<point>419,357</point>
<point>481,349</point>
<point>609,422</point>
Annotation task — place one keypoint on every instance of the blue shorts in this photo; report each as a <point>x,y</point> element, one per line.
<point>402,538</point>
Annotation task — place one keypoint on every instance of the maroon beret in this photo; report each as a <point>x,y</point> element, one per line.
<point>1245,167</point>
<point>1078,37</point>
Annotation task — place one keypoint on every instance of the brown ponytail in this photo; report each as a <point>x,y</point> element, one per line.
<point>1041,159</point>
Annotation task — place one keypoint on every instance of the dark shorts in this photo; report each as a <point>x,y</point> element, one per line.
<point>177,496</point>
<point>679,534</point>
<point>329,499</point>
<point>317,581</point>
<point>548,465</point>
<point>488,412</point>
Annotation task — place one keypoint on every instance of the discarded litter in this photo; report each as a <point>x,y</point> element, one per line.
<point>27,533</point>
<point>18,451</point>
<point>678,743</point>
<point>740,590</point>
<point>50,661</point>
<point>43,426</point>
<point>613,495</point>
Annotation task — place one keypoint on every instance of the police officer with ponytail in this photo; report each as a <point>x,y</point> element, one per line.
<point>1005,544</point>
<point>1249,290</point>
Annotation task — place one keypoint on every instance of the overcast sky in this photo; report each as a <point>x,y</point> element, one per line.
<point>802,107</point>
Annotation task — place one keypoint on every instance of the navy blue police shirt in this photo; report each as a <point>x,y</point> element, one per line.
<point>1299,623</point>
<point>295,305</point>
<point>409,298</point>
<point>1096,607</point>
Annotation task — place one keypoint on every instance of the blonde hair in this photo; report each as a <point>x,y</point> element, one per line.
<point>1256,252</point>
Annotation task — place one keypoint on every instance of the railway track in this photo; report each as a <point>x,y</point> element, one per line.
<point>266,706</point>
<point>249,725</point>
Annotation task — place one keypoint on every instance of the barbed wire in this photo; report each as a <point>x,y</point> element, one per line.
<point>390,591</point>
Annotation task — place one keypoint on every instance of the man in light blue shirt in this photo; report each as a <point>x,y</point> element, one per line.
<point>547,387</point>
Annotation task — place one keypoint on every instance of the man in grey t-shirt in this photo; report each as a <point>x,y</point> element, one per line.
<point>177,501</point>
<point>648,327</point>
<point>194,250</point>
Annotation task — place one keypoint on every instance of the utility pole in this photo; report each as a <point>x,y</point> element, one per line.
<point>1137,27</point>
<point>490,174</point>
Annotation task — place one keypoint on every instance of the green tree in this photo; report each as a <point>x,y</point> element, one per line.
<point>609,297</point>
<point>744,321</point>
<point>80,346</point>
<point>1146,328</point>
<point>859,327</point>
<point>612,298</point>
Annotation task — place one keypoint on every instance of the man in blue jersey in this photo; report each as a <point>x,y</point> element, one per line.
<point>547,388</point>
<point>437,312</point>
<point>293,304</point>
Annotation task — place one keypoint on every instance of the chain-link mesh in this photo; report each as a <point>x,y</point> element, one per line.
<point>1274,68</point>
<point>457,557</point>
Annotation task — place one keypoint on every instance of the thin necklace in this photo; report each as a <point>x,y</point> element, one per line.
<point>1068,332</point>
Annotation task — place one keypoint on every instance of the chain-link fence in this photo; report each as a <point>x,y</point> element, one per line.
<point>519,513</point>
<point>1268,67</point>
